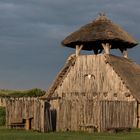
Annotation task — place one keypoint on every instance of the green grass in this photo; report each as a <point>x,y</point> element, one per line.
<point>25,93</point>
<point>6,134</point>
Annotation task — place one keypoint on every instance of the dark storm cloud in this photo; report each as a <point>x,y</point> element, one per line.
<point>31,32</point>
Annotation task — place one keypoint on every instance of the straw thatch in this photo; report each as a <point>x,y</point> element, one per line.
<point>101,30</point>
<point>129,72</point>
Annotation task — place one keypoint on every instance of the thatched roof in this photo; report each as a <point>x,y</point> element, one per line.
<point>129,72</point>
<point>101,30</point>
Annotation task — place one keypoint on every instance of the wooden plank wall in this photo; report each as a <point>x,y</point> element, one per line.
<point>76,114</point>
<point>117,114</point>
<point>19,109</point>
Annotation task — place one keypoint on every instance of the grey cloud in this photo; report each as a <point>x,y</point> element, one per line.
<point>31,32</point>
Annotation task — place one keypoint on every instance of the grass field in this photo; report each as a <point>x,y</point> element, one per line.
<point>22,93</point>
<point>6,134</point>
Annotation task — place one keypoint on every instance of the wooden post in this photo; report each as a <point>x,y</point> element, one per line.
<point>78,49</point>
<point>138,116</point>
<point>27,124</point>
<point>106,48</point>
<point>124,52</point>
<point>42,108</point>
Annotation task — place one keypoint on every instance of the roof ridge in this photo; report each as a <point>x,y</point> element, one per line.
<point>101,16</point>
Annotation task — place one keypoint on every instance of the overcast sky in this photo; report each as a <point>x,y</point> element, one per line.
<point>31,32</point>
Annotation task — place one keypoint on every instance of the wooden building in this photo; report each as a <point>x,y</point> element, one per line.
<point>97,92</point>
<point>28,113</point>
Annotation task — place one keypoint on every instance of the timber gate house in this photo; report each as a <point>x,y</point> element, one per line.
<point>96,92</point>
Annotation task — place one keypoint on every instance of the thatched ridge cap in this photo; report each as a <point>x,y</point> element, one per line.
<point>102,17</point>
